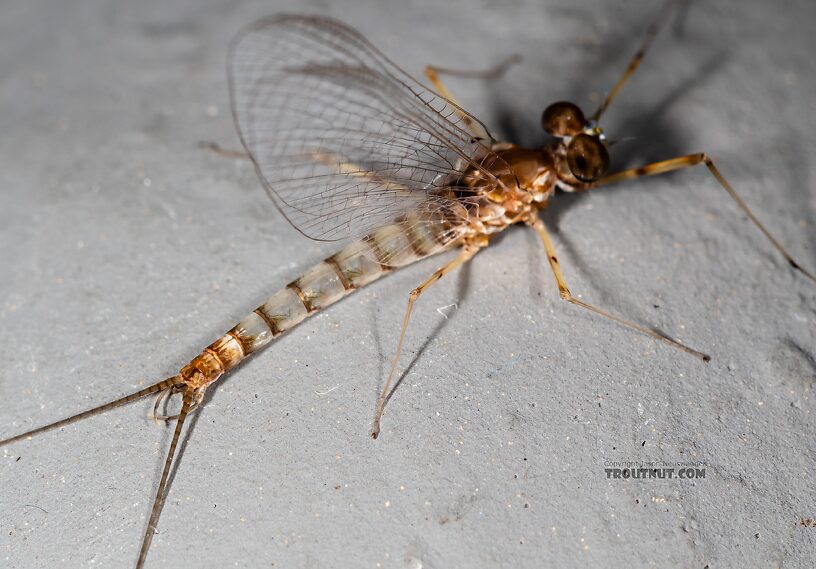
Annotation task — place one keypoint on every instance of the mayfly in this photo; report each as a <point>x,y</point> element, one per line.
<point>351,147</point>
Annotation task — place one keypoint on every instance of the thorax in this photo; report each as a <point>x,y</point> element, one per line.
<point>508,186</point>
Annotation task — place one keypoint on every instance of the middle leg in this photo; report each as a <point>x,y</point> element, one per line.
<point>541,229</point>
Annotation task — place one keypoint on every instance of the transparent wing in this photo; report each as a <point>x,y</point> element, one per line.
<point>343,140</point>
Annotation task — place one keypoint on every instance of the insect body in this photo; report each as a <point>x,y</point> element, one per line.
<point>351,147</point>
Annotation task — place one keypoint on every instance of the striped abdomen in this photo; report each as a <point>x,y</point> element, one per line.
<point>327,282</point>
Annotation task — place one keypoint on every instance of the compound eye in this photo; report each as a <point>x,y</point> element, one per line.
<point>563,119</point>
<point>587,158</point>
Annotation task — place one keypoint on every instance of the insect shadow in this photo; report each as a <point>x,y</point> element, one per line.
<point>643,137</point>
<point>646,137</point>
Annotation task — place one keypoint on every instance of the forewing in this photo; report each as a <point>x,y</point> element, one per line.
<point>343,140</point>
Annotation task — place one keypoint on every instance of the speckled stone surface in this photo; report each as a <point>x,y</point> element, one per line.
<point>126,249</point>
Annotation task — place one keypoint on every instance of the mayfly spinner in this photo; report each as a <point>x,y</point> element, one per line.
<point>349,146</point>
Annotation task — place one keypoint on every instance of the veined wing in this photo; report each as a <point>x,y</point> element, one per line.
<point>343,140</point>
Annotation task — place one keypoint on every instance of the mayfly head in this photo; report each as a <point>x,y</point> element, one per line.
<point>582,141</point>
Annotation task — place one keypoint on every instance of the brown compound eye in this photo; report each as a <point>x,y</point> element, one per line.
<point>563,119</point>
<point>587,158</point>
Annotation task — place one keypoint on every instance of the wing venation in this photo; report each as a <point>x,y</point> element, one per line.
<point>343,140</point>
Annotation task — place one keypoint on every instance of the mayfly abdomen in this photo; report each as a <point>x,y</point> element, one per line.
<point>356,265</point>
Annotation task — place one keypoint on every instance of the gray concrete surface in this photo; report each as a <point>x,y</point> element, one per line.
<point>125,249</point>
